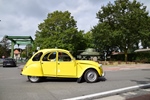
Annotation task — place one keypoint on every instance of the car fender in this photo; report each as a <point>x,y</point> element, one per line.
<point>33,69</point>
<point>82,68</point>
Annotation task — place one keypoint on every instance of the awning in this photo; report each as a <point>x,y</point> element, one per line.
<point>142,50</point>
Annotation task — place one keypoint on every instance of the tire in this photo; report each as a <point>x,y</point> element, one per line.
<point>91,76</point>
<point>34,79</point>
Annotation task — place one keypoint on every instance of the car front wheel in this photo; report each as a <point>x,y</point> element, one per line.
<point>91,76</point>
<point>34,79</point>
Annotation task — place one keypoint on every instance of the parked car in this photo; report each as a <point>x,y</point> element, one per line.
<point>60,63</point>
<point>9,62</point>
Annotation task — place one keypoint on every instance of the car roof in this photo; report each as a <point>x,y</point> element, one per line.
<point>8,59</point>
<point>46,50</point>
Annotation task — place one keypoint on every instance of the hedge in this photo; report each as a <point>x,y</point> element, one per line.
<point>143,57</point>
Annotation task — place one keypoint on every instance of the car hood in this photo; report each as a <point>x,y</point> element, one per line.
<point>89,62</point>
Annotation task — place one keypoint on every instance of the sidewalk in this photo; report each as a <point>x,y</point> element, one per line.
<point>125,67</point>
<point>141,94</point>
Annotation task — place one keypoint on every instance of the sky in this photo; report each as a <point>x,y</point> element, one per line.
<point>22,17</point>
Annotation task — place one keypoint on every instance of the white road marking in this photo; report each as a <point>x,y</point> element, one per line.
<point>112,92</point>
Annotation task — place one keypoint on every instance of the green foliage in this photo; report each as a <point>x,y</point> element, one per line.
<point>88,37</point>
<point>4,52</point>
<point>142,57</point>
<point>102,36</point>
<point>122,24</point>
<point>24,54</point>
<point>4,48</point>
<point>59,30</point>
<point>146,35</point>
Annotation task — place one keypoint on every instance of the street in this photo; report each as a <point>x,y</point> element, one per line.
<point>14,86</point>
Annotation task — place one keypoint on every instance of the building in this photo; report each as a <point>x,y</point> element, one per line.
<point>17,53</point>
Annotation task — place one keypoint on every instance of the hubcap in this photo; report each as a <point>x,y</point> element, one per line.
<point>91,76</point>
<point>34,78</point>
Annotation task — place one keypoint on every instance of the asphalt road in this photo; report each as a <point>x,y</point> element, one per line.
<point>14,86</point>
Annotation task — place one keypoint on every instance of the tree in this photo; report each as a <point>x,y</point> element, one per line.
<point>101,35</point>
<point>122,24</point>
<point>4,47</point>
<point>59,30</point>
<point>145,41</point>
<point>89,39</point>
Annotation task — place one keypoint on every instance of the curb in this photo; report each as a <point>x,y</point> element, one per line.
<point>110,93</point>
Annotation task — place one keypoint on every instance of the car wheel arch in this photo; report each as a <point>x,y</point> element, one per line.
<point>82,76</point>
<point>89,69</point>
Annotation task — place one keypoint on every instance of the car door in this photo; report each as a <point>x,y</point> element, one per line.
<point>49,64</point>
<point>66,66</point>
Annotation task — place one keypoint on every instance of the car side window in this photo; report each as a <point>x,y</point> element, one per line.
<point>45,58</point>
<point>63,57</point>
<point>51,56</point>
<point>37,56</point>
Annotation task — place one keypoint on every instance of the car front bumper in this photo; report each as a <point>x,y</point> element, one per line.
<point>103,74</point>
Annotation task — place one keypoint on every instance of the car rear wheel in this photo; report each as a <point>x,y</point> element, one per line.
<point>34,79</point>
<point>91,76</point>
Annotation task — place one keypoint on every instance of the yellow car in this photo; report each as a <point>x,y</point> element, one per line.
<point>59,63</point>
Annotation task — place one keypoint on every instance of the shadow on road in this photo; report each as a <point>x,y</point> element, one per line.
<point>67,80</point>
<point>142,82</point>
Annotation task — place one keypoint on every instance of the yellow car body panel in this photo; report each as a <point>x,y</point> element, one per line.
<point>49,69</point>
<point>57,68</point>
<point>32,69</point>
<point>84,65</point>
<point>66,69</point>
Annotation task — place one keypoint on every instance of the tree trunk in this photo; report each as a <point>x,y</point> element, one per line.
<point>126,55</point>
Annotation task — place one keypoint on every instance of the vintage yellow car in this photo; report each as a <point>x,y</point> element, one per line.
<point>59,63</point>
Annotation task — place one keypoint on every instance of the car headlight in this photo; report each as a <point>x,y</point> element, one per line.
<point>100,65</point>
<point>103,74</point>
